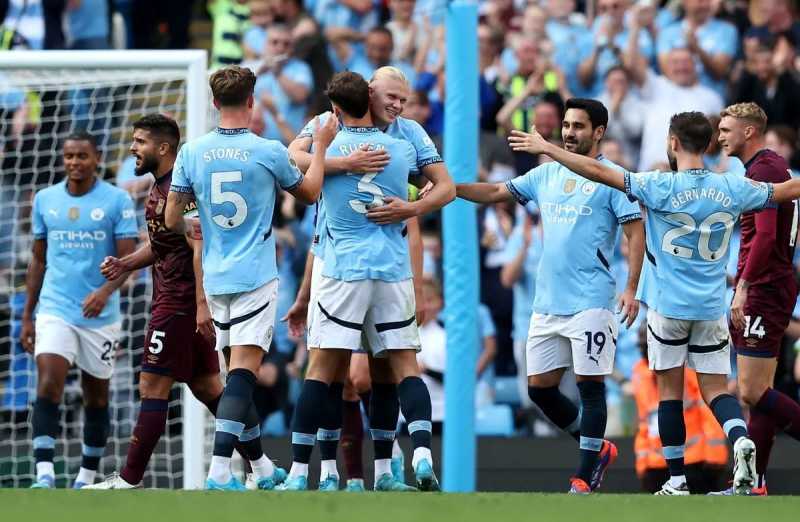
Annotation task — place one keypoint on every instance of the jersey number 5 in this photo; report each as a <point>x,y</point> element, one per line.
<point>220,197</point>
<point>704,241</point>
<point>366,186</point>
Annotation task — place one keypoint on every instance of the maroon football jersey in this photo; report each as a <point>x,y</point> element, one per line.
<point>173,271</point>
<point>769,167</point>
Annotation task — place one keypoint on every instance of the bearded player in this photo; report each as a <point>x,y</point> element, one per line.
<point>766,291</point>
<point>179,346</point>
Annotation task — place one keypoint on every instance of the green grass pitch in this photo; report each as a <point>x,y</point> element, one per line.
<point>196,506</point>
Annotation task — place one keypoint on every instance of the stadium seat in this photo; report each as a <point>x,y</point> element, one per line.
<point>494,420</point>
<point>505,390</point>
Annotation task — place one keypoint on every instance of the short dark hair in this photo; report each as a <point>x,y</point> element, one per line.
<point>382,29</point>
<point>82,135</point>
<point>232,85</point>
<point>350,91</point>
<point>693,131</point>
<point>598,114</point>
<point>161,127</point>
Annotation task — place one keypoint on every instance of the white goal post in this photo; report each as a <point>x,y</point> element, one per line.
<point>44,96</point>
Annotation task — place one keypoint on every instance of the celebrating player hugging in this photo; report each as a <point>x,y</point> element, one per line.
<point>685,208</point>
<point>234,189</point>
<point>212,250</point>
<point>572,322</point>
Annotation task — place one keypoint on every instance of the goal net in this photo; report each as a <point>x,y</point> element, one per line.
<point>45,96</point>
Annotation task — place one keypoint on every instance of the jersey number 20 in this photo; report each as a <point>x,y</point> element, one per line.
<point>704,241</point>
<point>220,197</point>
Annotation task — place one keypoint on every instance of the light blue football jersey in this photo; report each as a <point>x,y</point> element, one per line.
<point>356,248</point>
<point>80,232</point>
<point>234,176</point>
<point>402,129</point>
<point>691,216</point>
<point>580,219</point>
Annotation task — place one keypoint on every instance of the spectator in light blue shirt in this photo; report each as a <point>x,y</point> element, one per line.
<point>283,86</point>
<point>87,23</point>
<point>713,43</point>
<point>570,40</point>
<point>611,40</point>
<point>378,47</point>
<point>254,39</point>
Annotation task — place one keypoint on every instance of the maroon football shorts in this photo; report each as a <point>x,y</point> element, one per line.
<point>767,312</point>
<point>174,348</point>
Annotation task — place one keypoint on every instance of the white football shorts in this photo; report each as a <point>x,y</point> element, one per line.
<point>586,341</point>
<point>385,312</point>
<point>91,349</point>
<point>246,318</point>
<point>704,345</point>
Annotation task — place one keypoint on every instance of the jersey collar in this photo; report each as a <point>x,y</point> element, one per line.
<point>755,156</point>
<point>91,189</point>
<point>696,172</point>
<point>231,132</point>
<point>362,130</point>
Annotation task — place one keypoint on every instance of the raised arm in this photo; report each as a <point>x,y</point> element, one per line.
<point>484,192</point>
<point>397,210</point>
<point>585,166</point>
<point>362,161</point>
<point>786,191</point>
<point>311,185</point>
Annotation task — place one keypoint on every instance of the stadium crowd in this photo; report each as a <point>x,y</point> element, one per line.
<point>645,60</point>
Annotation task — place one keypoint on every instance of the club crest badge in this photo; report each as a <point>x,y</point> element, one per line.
<point>97,214</point>
<point>588,188</point>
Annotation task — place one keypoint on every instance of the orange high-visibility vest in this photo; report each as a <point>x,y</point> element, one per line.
<point>699,429</point>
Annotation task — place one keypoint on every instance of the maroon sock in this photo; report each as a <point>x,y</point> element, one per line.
<point>762,430</point>
<point>352,439</point>
<point>783,410</point>
<point>150,426</point>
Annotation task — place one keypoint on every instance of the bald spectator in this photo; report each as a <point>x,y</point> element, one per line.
<point>678,90</point>
<point>712,43</point>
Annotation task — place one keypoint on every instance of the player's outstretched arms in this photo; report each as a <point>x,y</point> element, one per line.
<point>786,191</point>
<point>33,285</point>
<point>362,161</point>
<point>589,168</point>
<point>484,192</point>
<point>114,267</point>
<point>308,190</point>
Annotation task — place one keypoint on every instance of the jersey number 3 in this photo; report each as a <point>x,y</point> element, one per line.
<point>220,197</point>
<point>704,241</point>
